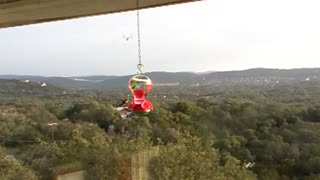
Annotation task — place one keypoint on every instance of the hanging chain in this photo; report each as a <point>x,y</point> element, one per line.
<point>140,65</point>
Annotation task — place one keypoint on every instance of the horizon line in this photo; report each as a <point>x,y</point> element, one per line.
<point>195,72</point>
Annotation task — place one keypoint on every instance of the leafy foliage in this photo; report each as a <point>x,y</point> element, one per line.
<point>11,168</point>
<point>203,132</point>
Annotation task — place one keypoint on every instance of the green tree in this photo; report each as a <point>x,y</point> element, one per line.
<point>12,169</point>
<point>191,158</point>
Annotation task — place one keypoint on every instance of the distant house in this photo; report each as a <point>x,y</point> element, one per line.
<point>26,81</point>
<point>249,165</point>
<point>43,84</point>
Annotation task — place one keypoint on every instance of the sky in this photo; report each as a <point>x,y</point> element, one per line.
<point>211,35</point>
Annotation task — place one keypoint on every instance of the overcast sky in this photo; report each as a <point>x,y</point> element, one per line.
<point>201,36</point>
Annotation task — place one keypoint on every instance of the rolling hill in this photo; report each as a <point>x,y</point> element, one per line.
<point>251,76</point>
<point>16,88</point>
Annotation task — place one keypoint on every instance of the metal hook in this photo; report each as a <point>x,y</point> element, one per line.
<point>139,66</point>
